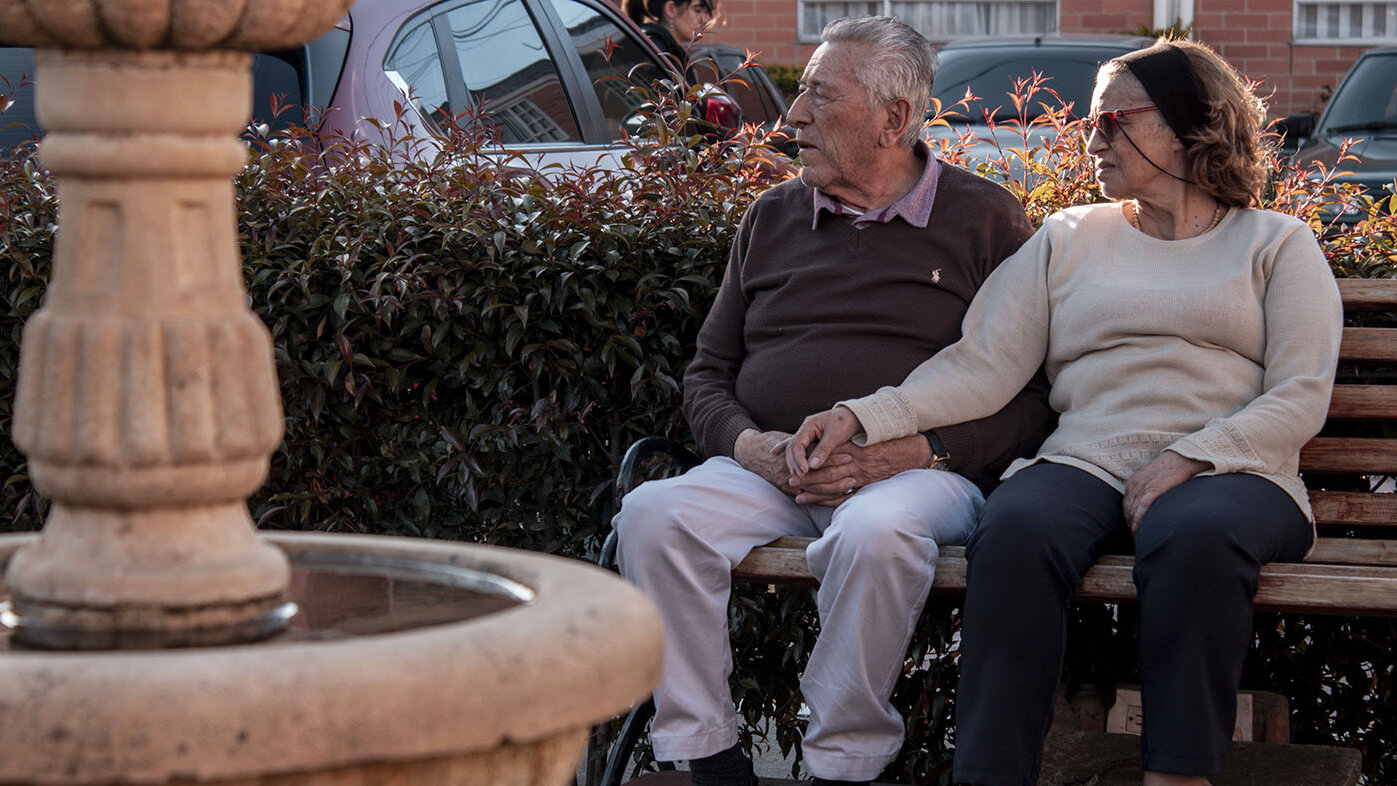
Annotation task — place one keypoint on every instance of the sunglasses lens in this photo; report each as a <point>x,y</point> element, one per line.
<point>1105,122</point>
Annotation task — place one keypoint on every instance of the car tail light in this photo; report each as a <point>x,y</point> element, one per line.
<point>720,110</point>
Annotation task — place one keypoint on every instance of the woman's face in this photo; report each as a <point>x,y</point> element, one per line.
<point>1121,168</point>
<point>687,21</point>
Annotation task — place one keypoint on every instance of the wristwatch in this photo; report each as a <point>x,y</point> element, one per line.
<point>940,459</point>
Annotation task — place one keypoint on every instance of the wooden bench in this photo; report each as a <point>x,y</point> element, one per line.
<point>1353,568</point>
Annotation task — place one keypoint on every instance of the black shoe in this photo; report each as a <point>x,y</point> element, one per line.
<point>730,767</point>
<point>824,782</point>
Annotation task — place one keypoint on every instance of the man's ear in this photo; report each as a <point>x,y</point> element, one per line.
<point>898,114</point>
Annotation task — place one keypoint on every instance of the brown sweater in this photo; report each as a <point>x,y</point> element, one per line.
<point>806,318</point>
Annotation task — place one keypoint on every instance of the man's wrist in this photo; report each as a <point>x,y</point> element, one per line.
<point>742,441</point>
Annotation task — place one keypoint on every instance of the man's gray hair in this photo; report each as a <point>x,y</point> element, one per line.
<point>901,63</point>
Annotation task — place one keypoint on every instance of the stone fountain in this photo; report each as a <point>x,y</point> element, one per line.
<point>148,410</point>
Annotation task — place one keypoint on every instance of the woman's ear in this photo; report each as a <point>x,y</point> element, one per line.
<point>672,10</point>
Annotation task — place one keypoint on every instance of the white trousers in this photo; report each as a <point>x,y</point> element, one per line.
<point>875,556</point>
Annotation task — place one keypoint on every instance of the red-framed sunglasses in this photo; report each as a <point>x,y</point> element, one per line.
<point>1108,122</point>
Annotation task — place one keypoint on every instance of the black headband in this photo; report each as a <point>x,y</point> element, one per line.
<point>1172,85</point>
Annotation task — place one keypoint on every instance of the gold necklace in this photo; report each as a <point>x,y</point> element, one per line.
<point>1218,213</point>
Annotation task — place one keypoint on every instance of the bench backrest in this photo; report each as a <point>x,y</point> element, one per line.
<point>1358,449</point>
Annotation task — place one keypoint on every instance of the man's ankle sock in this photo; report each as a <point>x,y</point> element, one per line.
<point>827,782</point>
<point>729,767</point>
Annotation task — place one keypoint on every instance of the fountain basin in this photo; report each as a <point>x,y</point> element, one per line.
<point>442,692</point>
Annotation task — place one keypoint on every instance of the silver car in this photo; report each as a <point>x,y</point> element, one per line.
<point>552,77</point>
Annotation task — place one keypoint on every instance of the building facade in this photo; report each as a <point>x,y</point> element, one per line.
<point>1297,49</point>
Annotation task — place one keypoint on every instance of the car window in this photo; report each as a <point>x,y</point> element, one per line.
<point>277,98</point>
<point>1368,95</point>
<point>17,122</point>
<point>414,66</point>
<point>612,56</point>
<point>990,75</point>
<point>509,72</point>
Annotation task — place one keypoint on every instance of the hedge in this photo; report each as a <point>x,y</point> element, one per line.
<point>466,347</point>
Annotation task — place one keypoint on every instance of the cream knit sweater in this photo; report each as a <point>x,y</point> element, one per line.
<point>1219,347</point>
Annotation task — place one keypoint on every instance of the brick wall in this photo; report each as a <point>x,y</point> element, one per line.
<point>1255,35</point>
<point>1103,16</point>
<point>764,26</point>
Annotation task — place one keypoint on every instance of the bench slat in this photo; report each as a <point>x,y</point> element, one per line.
<point>787,555</point>
<point>1368,294</point>
<point>1368,344</point>
<point>1363,402</point>
<point>1319,589</point>
<point>1350,454</point>
<point>1305,587</point>
<point>1354,508</point>
<point>1354,551</point>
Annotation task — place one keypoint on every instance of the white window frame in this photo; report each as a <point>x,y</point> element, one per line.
<point>884,7</point>
<point>1365,35</point>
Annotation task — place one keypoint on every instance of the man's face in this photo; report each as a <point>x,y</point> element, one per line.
<point>836,127</point>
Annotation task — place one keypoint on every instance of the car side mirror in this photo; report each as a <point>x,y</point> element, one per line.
<point>1295,130</point>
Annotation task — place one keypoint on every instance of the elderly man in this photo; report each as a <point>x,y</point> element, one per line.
<point>838,283</point>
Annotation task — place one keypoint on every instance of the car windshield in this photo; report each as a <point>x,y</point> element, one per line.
<point>1367,98</point>
<point>990,74</point>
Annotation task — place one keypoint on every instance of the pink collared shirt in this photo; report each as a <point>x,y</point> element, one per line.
<point>914,206</point>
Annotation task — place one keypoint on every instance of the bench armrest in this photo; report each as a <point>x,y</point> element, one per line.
<point>629,476</point>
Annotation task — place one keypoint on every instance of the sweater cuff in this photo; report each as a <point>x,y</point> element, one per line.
<point>724,434</point>
<point>883,416</point>
<point>1222,445</point>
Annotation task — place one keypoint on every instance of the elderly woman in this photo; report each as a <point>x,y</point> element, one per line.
<point>1190,340</point>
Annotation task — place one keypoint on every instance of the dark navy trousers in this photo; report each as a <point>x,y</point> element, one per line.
<point>1198,554</point>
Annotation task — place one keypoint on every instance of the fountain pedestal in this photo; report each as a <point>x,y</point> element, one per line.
<point>148,405</point>
<point>147,401</point>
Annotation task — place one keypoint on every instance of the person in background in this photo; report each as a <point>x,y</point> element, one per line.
<point>838,282</point>
<point>1191,341</point>
<point>673,25</point>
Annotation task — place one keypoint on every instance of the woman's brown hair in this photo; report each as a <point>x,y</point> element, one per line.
<point>1226,156</point>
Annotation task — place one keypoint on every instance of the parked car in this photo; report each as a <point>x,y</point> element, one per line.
<point>551,75</point>
<point>989,68</point>
<point>1363,108</point>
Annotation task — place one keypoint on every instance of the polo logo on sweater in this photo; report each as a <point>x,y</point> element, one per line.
<point>936,276</point>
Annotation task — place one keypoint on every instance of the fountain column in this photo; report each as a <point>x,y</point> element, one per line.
<point>148,408</point>
<point>148,404</point>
